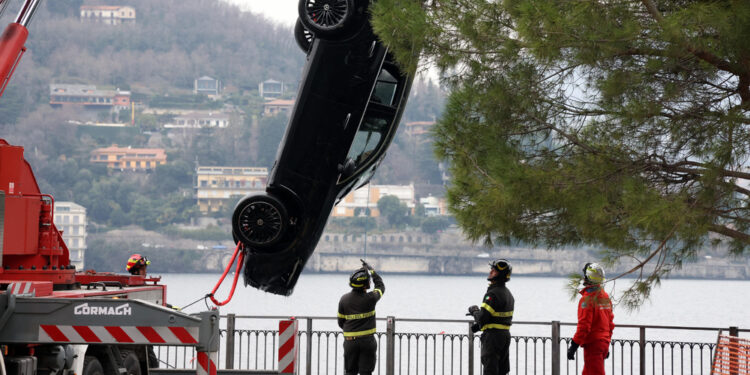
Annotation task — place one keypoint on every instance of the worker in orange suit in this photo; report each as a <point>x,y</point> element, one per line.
<point>595,322</point>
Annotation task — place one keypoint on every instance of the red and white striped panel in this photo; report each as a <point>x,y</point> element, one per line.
<point>288,347</point>
<point>115,334</point>
<point>207,363</point>
<point>37,288</point>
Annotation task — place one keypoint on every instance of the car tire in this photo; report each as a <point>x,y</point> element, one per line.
<point>259,221</point>
<point>326,19</point>
<point>92,366</point>
<point>303,36</point>
<point>130,362</point>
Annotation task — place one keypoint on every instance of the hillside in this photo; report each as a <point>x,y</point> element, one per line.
<point>172,43</point>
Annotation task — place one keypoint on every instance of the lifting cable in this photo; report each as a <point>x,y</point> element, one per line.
<point>239,249</point>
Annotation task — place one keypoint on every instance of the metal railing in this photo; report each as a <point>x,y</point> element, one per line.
<point>415,350</point>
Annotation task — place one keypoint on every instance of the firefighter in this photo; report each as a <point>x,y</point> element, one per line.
<point>595,322</point>
<point>137,265</point>
<point>356,316</point>
<point>494,319</point>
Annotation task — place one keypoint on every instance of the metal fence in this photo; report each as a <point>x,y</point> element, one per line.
<point>413,350</point>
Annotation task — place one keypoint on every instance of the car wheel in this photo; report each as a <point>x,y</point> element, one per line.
<point>326,18</point>
<point>92,366</point>
<point>130,362</point>
<point>259,220</point>
<point>303,36</point>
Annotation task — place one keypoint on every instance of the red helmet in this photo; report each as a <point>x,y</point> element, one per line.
<point>135,263</point>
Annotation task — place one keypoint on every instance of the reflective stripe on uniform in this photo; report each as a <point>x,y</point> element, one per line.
<point>356,285</point>
<point>501,314</point>
<point>492,326</point>
<point>359,333</point>
<point>379,291</point>
<point>357,316</point>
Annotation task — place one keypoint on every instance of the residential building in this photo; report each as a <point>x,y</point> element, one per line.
<point>357,202</point>
<point>70,218</point>
<point>87,96</point>
<point>121,100</point>
<point>219,186</point>
<point>434,206</point>
<point>108,14</point>
<point>419,130</point>
<point>128,158</point>
<point>207,86</point>
<point>200,119</point>
<point>274,107</point>
<point>271,89</point>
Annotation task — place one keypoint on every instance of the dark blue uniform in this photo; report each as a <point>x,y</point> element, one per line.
<point>494,318</point>
<point>356,317</point>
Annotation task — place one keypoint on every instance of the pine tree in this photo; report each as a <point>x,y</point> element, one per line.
<point>618,124</point>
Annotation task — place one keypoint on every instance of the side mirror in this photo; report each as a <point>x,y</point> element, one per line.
<point>347,169</point>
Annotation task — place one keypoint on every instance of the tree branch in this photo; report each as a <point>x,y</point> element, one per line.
<point>705,55</point>
<point>735,234</point>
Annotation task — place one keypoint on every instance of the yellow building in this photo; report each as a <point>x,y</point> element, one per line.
<point>127,158</point>
<point>357,202</point>
<point>219,186</point>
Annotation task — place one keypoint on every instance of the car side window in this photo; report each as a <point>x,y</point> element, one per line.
<point>385,88</point>
<point>367,139</point>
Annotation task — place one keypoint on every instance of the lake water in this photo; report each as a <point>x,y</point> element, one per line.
<point>707,303</point>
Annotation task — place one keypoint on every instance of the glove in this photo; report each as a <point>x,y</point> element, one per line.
<point>572,350</point>
<point>474,327</point>
<point>473,309</point>
<point>607,355</point>
<point>367,265</point>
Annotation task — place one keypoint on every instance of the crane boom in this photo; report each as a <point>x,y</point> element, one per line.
<point>13,40</point>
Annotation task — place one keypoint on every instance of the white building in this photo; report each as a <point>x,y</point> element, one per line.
<point>70,218</point>
<point>201,119</point>
<point>433,206</point>
<point>271,89</point>
<point>366,198</point>
<point>208,86</point>
<point>108,14</point>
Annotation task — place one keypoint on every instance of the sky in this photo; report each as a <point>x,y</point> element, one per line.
<point>280,11</point>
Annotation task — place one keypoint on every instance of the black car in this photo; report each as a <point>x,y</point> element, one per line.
<point>348,108</point>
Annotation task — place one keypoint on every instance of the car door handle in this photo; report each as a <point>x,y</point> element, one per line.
<point>346,120</point>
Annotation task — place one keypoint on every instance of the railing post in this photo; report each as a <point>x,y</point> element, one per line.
<point>471,349</point>
<point>308,353</point>
<point>734,332</point>
<point>555,347</point>
<point>390,362</point>
<point>642,354</point>
<point>229,364</point>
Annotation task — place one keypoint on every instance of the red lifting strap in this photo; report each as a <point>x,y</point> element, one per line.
<point>226,271</point>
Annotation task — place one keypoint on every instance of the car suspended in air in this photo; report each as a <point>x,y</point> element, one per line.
<point>347,111</point>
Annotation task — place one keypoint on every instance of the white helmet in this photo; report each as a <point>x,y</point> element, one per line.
<point>593,274</point>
